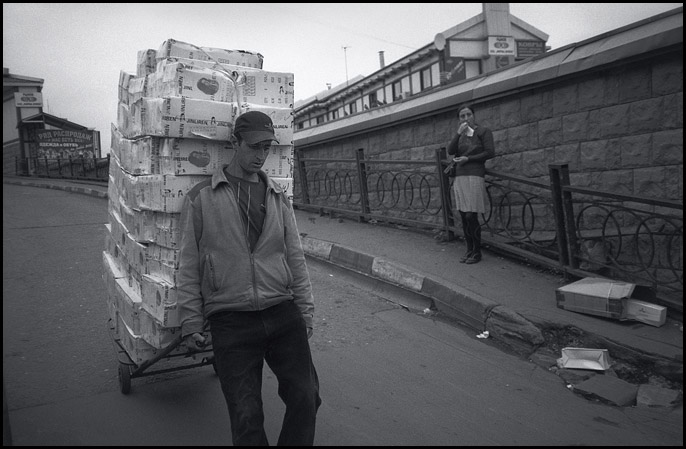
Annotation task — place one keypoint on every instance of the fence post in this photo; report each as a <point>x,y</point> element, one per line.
<point>448,221</point>
<point>71,167</point>
<point>558,210</point>
<point>83,166</point>
<point>47,167</point>
<point>567,235</point>
<point>303,178</point>
<point>362,174</point>
<point>568,208</point>
<point>107,172</point>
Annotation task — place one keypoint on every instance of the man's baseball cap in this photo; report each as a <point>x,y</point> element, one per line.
<point>254,126</point>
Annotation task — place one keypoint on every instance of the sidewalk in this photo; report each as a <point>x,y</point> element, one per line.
<point>517,293</point>
<point>424,264</point>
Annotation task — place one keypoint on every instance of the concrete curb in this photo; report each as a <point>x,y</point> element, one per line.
<point>74,189</point>
<point>468,307</point>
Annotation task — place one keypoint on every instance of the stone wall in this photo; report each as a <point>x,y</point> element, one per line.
<point>620,129</point>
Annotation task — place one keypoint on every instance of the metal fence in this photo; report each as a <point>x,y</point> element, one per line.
<point>582,232</point>
<point>82,168</point>
<point>579,231</point>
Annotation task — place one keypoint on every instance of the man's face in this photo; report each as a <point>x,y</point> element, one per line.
<point>251,157</point>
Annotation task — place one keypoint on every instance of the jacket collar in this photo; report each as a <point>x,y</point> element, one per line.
<point>219,177</point>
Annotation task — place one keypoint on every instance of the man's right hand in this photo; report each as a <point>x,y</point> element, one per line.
<point>195,342</point>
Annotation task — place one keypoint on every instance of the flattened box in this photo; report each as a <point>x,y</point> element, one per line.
<point>601,297</point>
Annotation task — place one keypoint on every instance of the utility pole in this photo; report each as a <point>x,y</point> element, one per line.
<point>345,55</point>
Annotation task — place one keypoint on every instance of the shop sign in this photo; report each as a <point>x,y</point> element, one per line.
<point>28,99</point>
<point>60,143</point>
<point>527,49</point>
<point>501,46</point>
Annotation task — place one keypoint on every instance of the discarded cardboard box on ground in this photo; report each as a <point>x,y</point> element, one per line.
<point>584,358</point>
<point>611,299</point>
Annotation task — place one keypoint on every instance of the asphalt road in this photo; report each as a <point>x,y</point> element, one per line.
<point>390,375</point>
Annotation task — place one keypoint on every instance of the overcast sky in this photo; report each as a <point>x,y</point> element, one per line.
<point>80,48</point>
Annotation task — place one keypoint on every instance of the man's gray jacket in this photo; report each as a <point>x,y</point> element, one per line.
<point>217,271</point>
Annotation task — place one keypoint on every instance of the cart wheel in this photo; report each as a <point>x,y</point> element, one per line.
<point>124,378</point>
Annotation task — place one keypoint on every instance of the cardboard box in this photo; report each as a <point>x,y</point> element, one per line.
<point>601,297</point>
<point>280,161</point>
<point>129,306</point>
<point>124,299</point>
<point>159,300</point>
<point>138,254</point>
<point>123,86</point>
<point>131,87</point>
<point>146,62</point>
<point>160,193</point>
<point>275,89</point>
<point>152,227</point>
<point>584,358</point>
<point>177,49</point>
<point>253,85</point>
<point>132,276</point>
<point>137,348</point>
<point>177,117</point>
<point>170,156</point>
<point>645,312</point>
<point>180,80</point>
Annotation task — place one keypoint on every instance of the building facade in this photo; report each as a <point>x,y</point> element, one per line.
<point>489,41</point>
<point>21,99</point>
<point>28,132</point>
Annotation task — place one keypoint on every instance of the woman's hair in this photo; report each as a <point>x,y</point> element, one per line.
<point>466,106</point>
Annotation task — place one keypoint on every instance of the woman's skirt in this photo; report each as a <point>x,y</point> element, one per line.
<point>470,194</point>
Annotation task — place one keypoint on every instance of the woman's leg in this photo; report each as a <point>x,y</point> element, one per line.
<point>467,235</point>
<point>472,219</point>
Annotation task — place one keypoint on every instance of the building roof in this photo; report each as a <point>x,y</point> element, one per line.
<point>52,120</point>
<point>11,81</point>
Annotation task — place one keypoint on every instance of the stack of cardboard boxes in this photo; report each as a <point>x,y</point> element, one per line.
<point>174,124</point>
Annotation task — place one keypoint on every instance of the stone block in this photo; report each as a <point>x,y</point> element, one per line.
<point>608,389</point>
<point>550,132</point>
<point>565,99</point>
<point>635,83</point>
<point>514,330</point>
<point>654,396</point>
<point>575,127</point>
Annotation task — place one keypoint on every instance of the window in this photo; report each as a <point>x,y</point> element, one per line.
<point>380,96</point>
<point>472,68</point>
<point>426,78</point>
<point>405,83</point>
<point>373,102</point>
<point>388,93</point>
<point>435,75</point>
<point>320,119</point>
<point>416,83</point>
<point>397,91</point>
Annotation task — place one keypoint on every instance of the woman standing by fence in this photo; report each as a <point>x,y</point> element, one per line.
<point>472,147</point>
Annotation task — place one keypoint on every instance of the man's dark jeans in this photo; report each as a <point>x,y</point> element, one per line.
<point>241,342</point>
